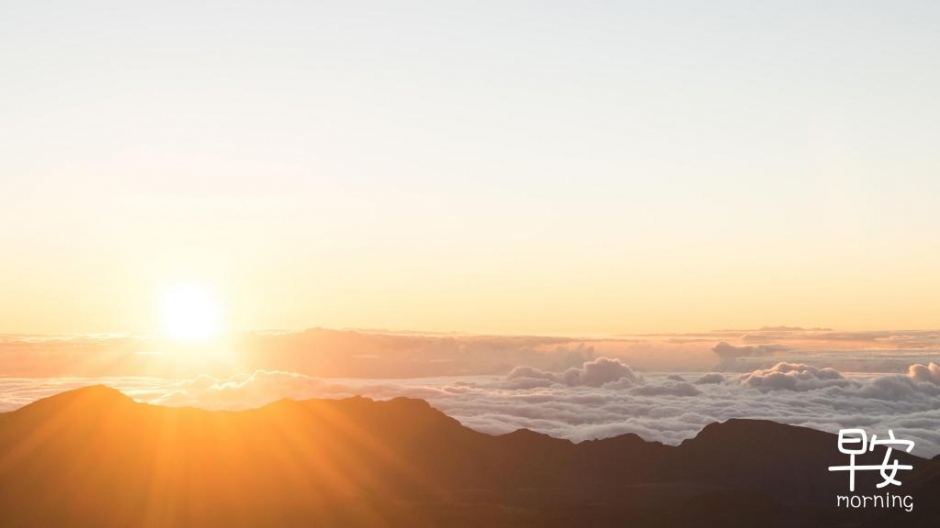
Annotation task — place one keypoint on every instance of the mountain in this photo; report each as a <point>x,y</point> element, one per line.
<point>924,487</point>
<point>94,457</point>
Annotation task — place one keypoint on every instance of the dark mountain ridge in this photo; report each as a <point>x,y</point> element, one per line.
<point>94,457</point>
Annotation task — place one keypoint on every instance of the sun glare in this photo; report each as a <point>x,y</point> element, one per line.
<point>190,313</point>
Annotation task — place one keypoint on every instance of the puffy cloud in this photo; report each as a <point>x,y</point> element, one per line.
<point>919,383</point>
<point>794,377</point>
<point>593,373</point>
<point>711,377</point>
<point>600,371</point>
<point>530,377</point>
<point>929,373</point>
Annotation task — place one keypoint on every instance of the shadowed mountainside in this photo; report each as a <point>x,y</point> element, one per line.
<point>94,457</point>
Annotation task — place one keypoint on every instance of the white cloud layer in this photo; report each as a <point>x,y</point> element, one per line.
<point>793,376</point>
<point>594,373</point>
<point>603,397</point>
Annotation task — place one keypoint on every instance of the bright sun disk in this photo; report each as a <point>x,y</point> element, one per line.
<point>190,314</point>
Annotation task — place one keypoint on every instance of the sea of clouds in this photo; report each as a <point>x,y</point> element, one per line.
<point>602,397</point>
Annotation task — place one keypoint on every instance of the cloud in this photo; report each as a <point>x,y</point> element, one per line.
<point>930,373</point>
<point>377,354</point>
<point>668,387</point>
<point>259,387</point>
<point>711,377</point>
<point>593,373</point>
<point>599,398</point>
<point>600,371</point>
<point>728,353</point>
<point>338,353</point>
<point>794,377</point>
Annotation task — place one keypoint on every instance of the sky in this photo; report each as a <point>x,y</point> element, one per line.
<point>506,167</point>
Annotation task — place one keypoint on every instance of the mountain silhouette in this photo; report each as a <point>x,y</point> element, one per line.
<point>95,457</point>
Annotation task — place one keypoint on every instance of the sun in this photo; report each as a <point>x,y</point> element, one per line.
<point>190,313</point>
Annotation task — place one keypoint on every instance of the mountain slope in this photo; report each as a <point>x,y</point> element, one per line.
<point>94,457</point>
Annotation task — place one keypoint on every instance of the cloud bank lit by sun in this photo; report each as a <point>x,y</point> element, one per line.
<point>190,313</point>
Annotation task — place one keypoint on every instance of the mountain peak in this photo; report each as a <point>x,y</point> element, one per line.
<point>98,395</point>
<point>89,403</point>
<point>735,428</point>
<point>528,435</point>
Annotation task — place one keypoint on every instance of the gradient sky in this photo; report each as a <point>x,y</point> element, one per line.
<point>499,167</point>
